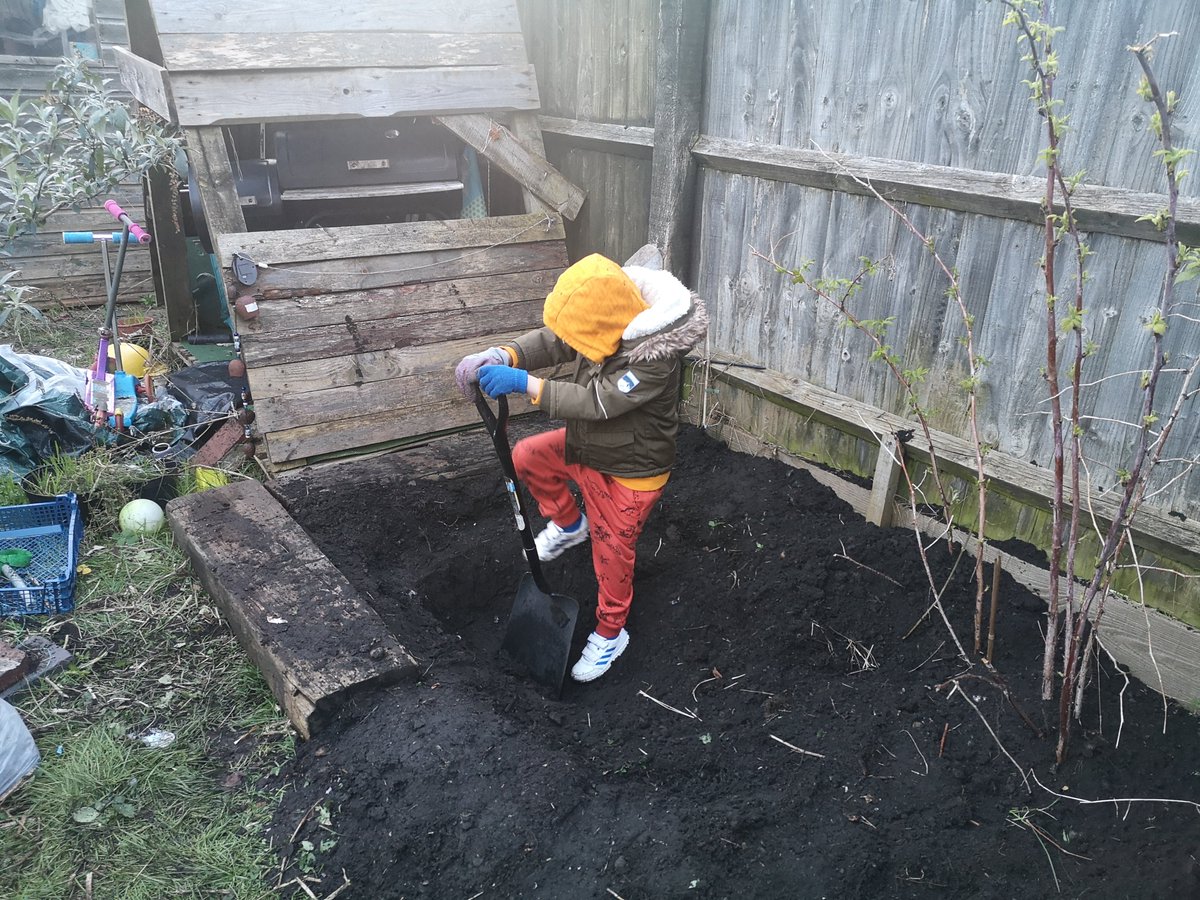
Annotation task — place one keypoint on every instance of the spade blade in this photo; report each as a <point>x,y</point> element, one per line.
<point>539,632</point>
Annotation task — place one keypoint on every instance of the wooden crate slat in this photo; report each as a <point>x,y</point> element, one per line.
<point>309,244</point>
<point>350,401</point>
<point>388,270</point>
<point>363,432</point>
<point>246,17</point>
<point>226,98</point>
<point>331,49</point>
<point>320,343</point>
<point>426,298</point>
<point>298,378</point>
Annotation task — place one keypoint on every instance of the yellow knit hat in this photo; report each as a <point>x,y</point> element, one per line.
<point>591,304</point>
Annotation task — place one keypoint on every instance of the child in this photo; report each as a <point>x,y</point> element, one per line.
<point>619,337</point>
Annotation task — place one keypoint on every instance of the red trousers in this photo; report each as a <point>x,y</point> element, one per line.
<point>616,515</point>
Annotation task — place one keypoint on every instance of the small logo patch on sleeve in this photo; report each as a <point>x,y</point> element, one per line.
<point>627,382</point>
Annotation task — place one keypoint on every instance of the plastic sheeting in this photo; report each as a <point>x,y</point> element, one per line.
<point>18,753</point>
<point>42,410</point>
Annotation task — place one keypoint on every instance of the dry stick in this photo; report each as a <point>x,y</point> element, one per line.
<point>796,749</point>
<point>995,737</point>
<point>942,742</point>
<point>1121,696</point>
<point>995,602</point>
<point>1000,685</point>
<point>1115,801</point>
<point>1149,640</point>
<point>615,894</point>
<point>843,555</point>
<point>689,714</point>
<point>919,753</point>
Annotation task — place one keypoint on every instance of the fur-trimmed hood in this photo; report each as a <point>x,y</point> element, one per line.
<point>674,322</point>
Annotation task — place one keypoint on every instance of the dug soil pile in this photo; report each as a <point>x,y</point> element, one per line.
<point>771,732</point>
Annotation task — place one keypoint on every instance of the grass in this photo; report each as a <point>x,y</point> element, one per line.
<point>105,815</point>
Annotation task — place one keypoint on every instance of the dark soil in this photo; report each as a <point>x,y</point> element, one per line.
<point>772,619</point>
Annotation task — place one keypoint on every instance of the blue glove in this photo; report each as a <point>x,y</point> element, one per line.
<point>496,381</point>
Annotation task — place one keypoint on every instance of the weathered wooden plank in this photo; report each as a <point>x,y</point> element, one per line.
<point>881,508</point>
<point>293,612</point>
<point>36,269</point>
<point>282,347</point>
<point>147,82</point>
<point>296,378</point>
<point>628,140</point>
<point>334,49</point>
<point>287,17</point>
<point>1098,207</point>
<point>167,250</point>
<point>678,102</point>
<point>532,172</point>
<point>310,244</point>
<point>209,157</point>
<point>364,432</point>
<point>227,98</point>
<point>408,393</point>
<point>525,128</point>
<point>426,299</point>
<point>388,270</point>
<point>1128,629</point>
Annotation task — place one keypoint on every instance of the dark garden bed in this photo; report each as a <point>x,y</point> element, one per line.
<point>765,639</point>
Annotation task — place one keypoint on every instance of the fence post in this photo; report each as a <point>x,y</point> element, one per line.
<point>678,98</point>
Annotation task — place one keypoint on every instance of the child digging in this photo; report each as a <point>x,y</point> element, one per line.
<point>618,336</point>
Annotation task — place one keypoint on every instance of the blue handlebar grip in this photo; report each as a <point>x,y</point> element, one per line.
<point>89,237</point>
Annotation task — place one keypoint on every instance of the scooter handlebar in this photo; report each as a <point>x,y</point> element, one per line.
<point>121,216</point>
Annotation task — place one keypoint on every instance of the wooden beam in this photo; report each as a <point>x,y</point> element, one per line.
<point>626,140</point>
<point>352,337</point>
<point>525,129</point>
<point>229,98</point>
<point>391,270</point>
<point>298,378</point>
<point>293,612</point>
<point>267,17</point>
<point>1098,208</point>
<point>168,253</point>
<point>310,244</point>
<point>427,299</point>
<point>331,49</point>
<point>1156,531</point>
<point>881,507</point>
<point>147,82</point>
<point>1129,630</point>
<point>495,142</point>
<point>209,158</point>
<point>678,102</point>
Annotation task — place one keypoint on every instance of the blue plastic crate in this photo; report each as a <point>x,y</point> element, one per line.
<point>51,532</point>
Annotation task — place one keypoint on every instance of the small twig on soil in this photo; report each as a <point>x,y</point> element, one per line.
<point>303,819</point>
<point>300,882</point>
<point>1115,801</point>
<point>346,883</point>
<point>689,714</point>
<point>615,894</point>
<point>716,676</point>
<point>942,742</point>
<point>919,753</point>
<point>796,749</point>
<point>995,738</point>
<point>929,657</point>
<point>843,555</point>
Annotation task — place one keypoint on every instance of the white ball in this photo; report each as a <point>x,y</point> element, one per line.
<point>141,517</point>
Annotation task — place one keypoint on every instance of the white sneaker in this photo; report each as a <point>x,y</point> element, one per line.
<point>598,655</point>
<point>553,541</point>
